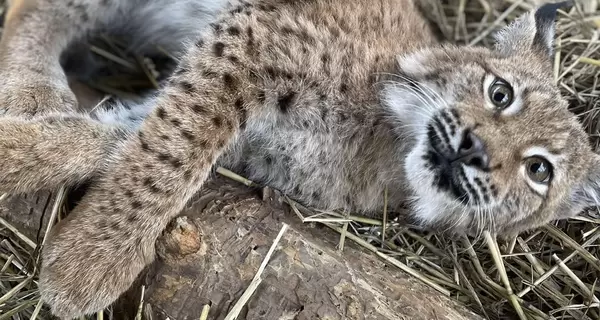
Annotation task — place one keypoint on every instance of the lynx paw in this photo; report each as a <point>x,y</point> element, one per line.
<point>33,96</point>
<point>86,266</point>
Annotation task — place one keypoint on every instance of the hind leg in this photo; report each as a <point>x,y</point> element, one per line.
<point>37,32</point>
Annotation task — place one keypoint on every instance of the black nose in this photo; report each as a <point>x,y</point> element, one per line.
<point>472,151</point>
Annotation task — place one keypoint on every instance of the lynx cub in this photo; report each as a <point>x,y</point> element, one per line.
<point>330,101</point>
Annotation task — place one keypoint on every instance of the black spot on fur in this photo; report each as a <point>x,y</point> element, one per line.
<point>229,123</point>
<point>176,163</point>
<point>197,108</point>
<point>187,175</point>
<point>334,31</point>
<point>325,60</point>
<point>161,113</point>
<point>286,100</point>
<point>494,191</point>
<point>324,111</point>
<point>163,157</point>
<point>128,193</point>
<point>233,59</point>
<point>203,144</point>
<point>176,122</point>
<point>287,30</point>
<point>242,113</point>
<point>250,43</point>
<point>217,121</point>
<point>136,204</point>
<point>296,190</point>
<point>483,189</point>
<point>102,224</point>
<point>268,159</point>
<point>187,135</point>
<point>200,43</point>
<point>229,81</point>
<point>209,74</point>
<point>115,226</point>
<point>261,96</point>
<point>82,12</point>
<point>236,10</point>
<point>165,137</point>
<point>150,184</point>
<point>218,49</point>
<point>221,143</point>
<point>271,71</point>
<point>217,28</point>
<point>233,31</point>
<point>316,196</point>
<point>186,86</point>
<point>343,87</point>
<point>343,116</point>
<point>304,36</point>
<point>144,145</point>
<point>266,7</point>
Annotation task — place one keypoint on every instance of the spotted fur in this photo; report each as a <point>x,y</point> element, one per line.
<point>329,101</point>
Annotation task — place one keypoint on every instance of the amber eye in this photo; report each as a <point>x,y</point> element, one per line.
<point>538,169</point>
<point>501,94</point>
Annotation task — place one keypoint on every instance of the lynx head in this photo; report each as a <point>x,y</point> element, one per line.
<point>493,144</point>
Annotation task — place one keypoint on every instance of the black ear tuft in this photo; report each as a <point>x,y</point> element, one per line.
<point>545,17</point>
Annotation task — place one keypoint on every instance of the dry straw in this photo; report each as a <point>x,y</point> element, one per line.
<point>549,273</point>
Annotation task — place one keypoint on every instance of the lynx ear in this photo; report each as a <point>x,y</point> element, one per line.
<point>586,194</point>
<point>533,31</point>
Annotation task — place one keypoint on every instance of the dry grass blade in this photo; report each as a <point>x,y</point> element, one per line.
<point>16,232</point>
<point>391,260</point>
<point>205,311</point>
<point>235,311</point>
<point>140,310</point>
<point>233,176</point>
<point>495,251</point>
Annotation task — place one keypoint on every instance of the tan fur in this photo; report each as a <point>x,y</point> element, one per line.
<point>328,100</point>
<point>16,9</point>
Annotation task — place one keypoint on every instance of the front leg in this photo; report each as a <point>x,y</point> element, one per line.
<point>48,152</point>
<point>97,252</point>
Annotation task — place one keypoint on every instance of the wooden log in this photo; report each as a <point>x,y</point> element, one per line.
<point>210,254</point>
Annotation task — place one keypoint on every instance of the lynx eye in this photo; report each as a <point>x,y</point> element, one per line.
<point>501,94</point>
<point>538,169</point>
